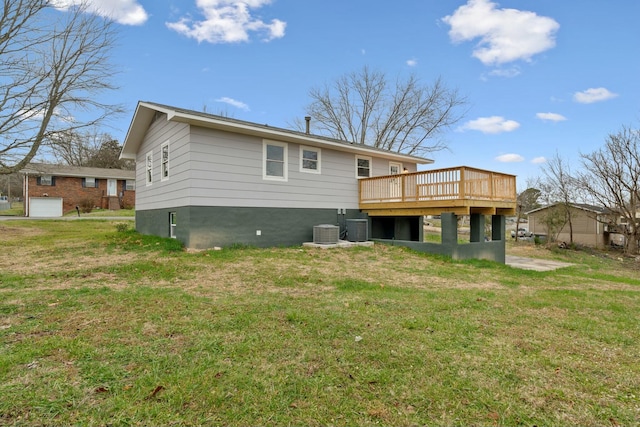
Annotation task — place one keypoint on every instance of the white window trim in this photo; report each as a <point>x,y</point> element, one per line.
<point>399,165</point>
<point>46,180</point>
<point>319,160</point>
<point>132,187</point>
<point>148,166</point>
<point>358,157</point>
<point>162,162</point>
<point>285,168</point>
<point>173,223</point>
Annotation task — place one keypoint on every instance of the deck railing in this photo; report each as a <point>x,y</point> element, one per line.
<point>459,183</point>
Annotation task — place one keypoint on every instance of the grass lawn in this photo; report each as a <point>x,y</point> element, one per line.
<point>99,326</point>
<point>17,209</point>
<point>105,213</point>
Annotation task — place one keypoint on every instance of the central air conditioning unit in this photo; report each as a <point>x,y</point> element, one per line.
<point>326,234</point>
<point>357,230</point>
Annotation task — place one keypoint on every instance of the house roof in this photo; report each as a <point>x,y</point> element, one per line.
<point>77,171</point>
<point>582,206</point>
<point>145,112</point>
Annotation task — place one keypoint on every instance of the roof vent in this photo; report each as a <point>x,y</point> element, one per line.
<point>326,234</point>
<point>308,120</point>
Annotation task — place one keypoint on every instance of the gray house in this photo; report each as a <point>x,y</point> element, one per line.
<point>214,181</point>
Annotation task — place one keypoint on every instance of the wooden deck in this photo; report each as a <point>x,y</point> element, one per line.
<point>460,190</point>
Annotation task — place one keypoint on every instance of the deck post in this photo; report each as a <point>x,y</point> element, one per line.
<point>498,227</point>
<point>477,228</point>
<point>449,228</point>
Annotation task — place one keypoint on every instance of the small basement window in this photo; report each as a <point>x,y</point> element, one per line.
<point>172,225</point>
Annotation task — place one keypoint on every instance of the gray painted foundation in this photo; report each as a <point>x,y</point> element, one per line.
<point>200,227</point>
<point>477,248</point>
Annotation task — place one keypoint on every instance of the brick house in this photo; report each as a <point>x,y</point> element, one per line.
<point>53,190</point>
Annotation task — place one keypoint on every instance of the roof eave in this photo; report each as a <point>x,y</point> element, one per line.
<point>145,111</point>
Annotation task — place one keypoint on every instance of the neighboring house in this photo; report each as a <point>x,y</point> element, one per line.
<point>592,225</point>
<point>213,181</point>
<point>53,190</point>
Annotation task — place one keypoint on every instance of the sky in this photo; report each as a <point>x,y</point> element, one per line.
<point>541,77</point>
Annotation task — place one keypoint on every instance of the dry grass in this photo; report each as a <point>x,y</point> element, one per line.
<point>101,327</point>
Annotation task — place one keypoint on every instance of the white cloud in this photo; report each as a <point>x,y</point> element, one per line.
<point>592,95</point>
<point>412,62</point>
<point>505,72</point>
<point>492,125</point>
<point>551,117</point>
<point>505,35</point>
<point>235,103</point>
<point>539,160</point>
<point>510,158</point>
<point>127,12</point>
<point>228,21</point>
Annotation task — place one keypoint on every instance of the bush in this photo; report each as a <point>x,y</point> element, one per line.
<point>86,205</point>
<point>122,227</point>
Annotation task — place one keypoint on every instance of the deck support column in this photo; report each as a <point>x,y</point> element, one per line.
<point>476,233</point>
<point>449,228</point>
<point>498,227</point>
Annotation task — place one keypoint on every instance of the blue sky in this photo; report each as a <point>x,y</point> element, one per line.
<point>541,76</point>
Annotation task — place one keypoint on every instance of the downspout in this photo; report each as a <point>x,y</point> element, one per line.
<point>26,194</point>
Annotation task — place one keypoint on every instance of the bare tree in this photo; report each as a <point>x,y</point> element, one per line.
<point>561,187</point>
<point>365,108</point>
<point>554,220</point>
<point>89,148</point>
<point>611,178</point>
<point>75,148</point>
<point>108,156</point>
<point>53,66</point>
<point>526,201</point>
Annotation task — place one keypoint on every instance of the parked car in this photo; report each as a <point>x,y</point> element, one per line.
<point>522,232</point>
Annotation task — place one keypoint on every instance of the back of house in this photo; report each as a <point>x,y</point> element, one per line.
<point>211,181</point>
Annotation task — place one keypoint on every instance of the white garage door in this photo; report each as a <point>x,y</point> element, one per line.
<point>45,207</point>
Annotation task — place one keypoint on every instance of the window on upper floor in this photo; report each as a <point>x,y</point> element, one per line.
<point>164,150</point>
<point>310,159</point>
<point>149,168</point>
<point>363,167</point>
<point>46,180</point>
<point>274,160</point>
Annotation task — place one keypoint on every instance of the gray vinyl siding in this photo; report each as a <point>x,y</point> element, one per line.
<point>227,170</point>
<point>216,168</point>
<point>175,190</point>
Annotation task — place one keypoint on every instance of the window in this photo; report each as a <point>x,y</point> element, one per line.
<point>275,160</point>
<point>90,183</point>
<point>172,225</point>
<point>149,168</point>
<point>130,185</point>
<point>309,159</point>
<point>164,150</point>
<point>395,168</point>
<point>46,180</point>
<point>363,167</point>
